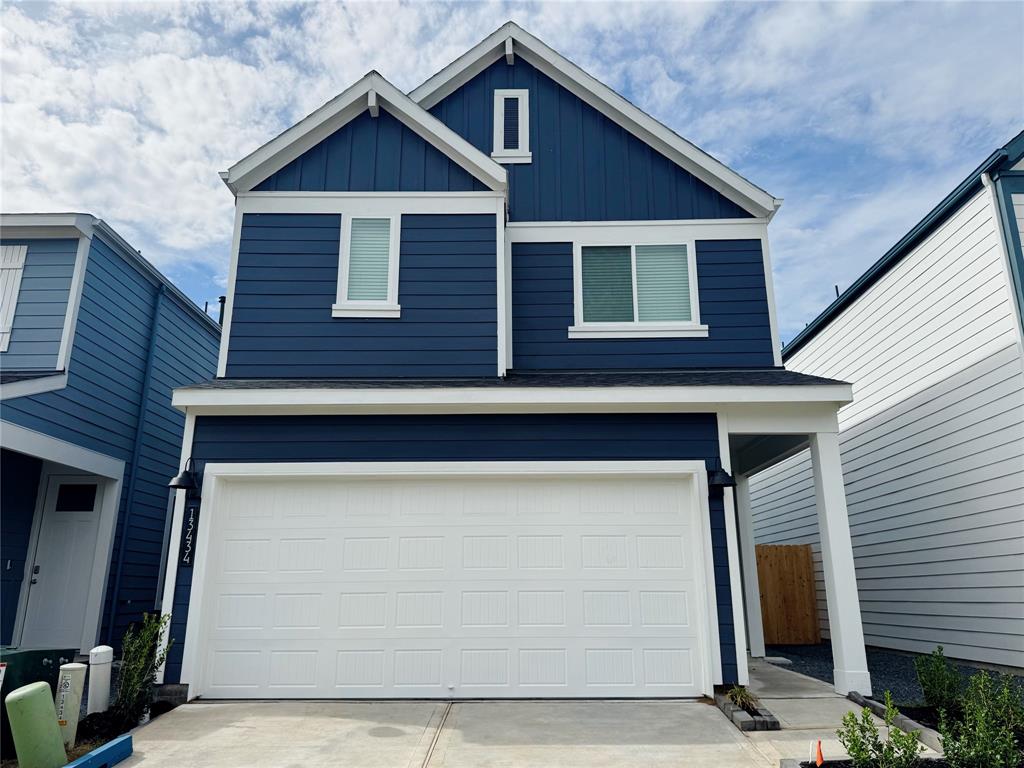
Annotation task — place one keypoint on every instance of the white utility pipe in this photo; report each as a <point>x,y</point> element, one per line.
<point>100,659</point>
<point>69,700</point>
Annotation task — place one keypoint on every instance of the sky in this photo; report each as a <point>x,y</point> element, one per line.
<point>862,116</point>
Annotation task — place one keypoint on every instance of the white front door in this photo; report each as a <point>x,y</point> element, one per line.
<point>449,587</point>
<point>61,573</point>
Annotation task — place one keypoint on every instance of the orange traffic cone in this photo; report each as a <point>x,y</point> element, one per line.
<point>819,759</point>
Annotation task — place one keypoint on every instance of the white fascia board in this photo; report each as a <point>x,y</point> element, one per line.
<point>368,203</point>
<point>499,399</point>
<point>637,232</point>
<point>695,160</point>
<point>33,386</point>
<point>22,440</point>
<point>46,225</point>
<point>317,126</point>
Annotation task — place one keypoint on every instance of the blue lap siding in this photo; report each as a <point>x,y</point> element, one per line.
<point>42,304</point>
<point>133,344</point>
<point>287,282</point>
<point>551,437</point>
<point>733,304</point>
<point>372,154</point>
<point>585,167</point>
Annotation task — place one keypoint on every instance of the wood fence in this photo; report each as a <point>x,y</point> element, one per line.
<point>789,606</point>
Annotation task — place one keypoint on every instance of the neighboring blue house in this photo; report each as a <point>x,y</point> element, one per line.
<point>491,351</point>
<point>92,342</point>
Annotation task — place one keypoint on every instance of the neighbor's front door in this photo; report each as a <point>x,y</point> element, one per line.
<point>62,570</point>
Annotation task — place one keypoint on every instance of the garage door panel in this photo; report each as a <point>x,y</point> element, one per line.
<point>453,588</point>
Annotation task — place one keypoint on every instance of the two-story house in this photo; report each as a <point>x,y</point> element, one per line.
<point>93,339</point>
<point>492,349</point>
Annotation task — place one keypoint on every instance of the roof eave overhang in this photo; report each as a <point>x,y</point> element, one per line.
<point>244,175</point>
<point>690,157</point>
<point>209,401</point>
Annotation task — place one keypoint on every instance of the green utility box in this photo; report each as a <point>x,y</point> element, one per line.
<point>24,667</point>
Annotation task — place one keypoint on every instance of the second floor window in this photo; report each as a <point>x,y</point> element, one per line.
<point>368,269</point>
<point>636,290</point>
<point>511,125</point>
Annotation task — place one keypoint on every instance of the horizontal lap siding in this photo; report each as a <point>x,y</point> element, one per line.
<point>287,281</point>
<point>933,448</point>
<point>372,155</point>
<point>733,304</point>
<point>585,167</point>
<point>465,438</point>
<point>42,304</point>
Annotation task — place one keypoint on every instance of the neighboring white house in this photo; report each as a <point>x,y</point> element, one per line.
<point>933,442</point>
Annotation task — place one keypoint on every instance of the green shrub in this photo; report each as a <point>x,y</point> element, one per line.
<point>939,680</point>
<point>141,657</point>
<point>742,698</point>
<point>864,744</point>
<point>988,732</point>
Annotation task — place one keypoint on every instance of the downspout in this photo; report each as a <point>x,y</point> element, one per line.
<point>154,327</point>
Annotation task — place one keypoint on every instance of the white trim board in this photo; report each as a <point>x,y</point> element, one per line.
<point>605,100</point>
<point>22,440</point>
<point>353,101</point>
<point>74,301</point>
<point>214,472</point>
<point>57,380</point>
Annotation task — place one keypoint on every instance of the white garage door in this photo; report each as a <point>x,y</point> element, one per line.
<point>456,587</point>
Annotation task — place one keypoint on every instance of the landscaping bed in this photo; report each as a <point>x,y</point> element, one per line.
<point>924,762</point>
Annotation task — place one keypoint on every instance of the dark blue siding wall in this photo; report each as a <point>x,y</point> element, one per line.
<point>372,155</point>
<point>585,167</point>
<point>733,304</point>
<point>19,482</point>
<point>464,438</point>
<point>103,409</point>
<point>42,304</point>
<point>281,324</point>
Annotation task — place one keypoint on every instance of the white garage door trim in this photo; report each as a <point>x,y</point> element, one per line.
<point>706,612</point>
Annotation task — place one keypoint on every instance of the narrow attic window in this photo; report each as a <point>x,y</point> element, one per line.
<point>511,125</point>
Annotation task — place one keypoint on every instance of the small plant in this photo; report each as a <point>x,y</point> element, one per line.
<point>141,656</point>
<point>939,680</point>
<point>742,698</point>
<point>987,734</point>
<point>862,741</point>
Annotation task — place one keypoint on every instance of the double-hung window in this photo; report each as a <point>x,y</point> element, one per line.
<point>511,125</point>
<point>368,267</point>
<point>646,290</point>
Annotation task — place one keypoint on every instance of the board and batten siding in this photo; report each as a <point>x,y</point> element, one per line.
<point>287,282</point>
<point>372,154</point>
<point>133,344</point>
<point>932,448</point>
<point>498,437</point>
<point>584,166</point>
<point>733,304</point>
<point>42,304</point>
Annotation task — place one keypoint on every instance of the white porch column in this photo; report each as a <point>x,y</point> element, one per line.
<point>748,555</point>
<point>848,655</point>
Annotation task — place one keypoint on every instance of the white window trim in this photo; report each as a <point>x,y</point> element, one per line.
<point>10,307</point>
<point>636,329</point>
<point>389,308</point>
<point>522,154</point>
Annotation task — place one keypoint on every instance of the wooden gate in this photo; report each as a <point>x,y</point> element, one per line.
<point>789,606</point>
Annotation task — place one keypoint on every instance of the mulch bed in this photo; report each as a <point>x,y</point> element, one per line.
<point>925,762</point>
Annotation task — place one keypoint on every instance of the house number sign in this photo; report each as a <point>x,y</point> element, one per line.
<point>188,534</point>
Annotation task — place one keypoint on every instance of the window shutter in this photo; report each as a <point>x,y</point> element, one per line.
<point>607,284</point>
<point>511,123</point>
<point>369,259</point>
<point>12,265</point>
<point>662,283</point>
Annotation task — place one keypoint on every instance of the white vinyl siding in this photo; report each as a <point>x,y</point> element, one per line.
<point>932,449</point>
<point>12,265</point>
<point>368,267</point>
<point>368,260</point>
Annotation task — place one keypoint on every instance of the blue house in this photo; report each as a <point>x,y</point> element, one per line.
<point>495,352</point>
<point>92,342</point>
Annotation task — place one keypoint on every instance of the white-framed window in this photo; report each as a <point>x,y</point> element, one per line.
<point>635,291</point>
<point>12,265</point>
<point>511,125</point>
<point>368,266</point>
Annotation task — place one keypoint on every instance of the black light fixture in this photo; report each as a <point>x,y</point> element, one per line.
<point>186,479</point>
<point>719,478</point>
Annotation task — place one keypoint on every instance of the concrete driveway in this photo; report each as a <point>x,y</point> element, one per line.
<point>587,734</point>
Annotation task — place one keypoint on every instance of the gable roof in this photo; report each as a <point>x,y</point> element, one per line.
<point>372,92</point>
<point>1003,158</point>
<point>512,40</point>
